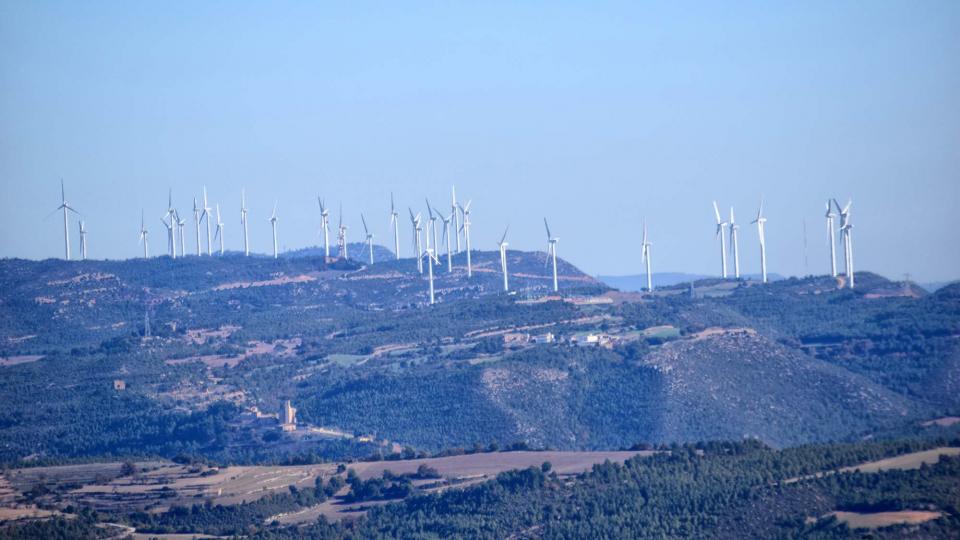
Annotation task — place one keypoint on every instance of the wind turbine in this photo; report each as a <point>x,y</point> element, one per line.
<point>169,225</point>
<point>342,234</point>
<point>845,231</point>
<point>206,217</point>
<point>243,221</point>
<point>734,244</point>
<point>721,235</point>
<point>503,259</point>
<point>551,252</point>
<point>454,208</point>
<point>65,206</point>
<point>415,221</point>
<point>367,232</point>
<point>431,258</point>
<point>219,229</point>
<point>83,241</point>
<point>273,222</point>
<point>446,236</point>
<point>645,255</point>
<point>143,236</point>
<point>324,226</point>
<point>196,220</point>
<point>172,227</point>
<point>180,224</point>
<point>432,227</point>
<point>465,210</point>
<point>395,221</point>
<point>761,225</point>
<point>833,239</point>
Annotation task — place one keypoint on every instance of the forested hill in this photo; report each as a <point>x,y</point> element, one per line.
<point>201,342</point>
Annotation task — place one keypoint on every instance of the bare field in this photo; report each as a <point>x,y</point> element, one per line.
<point>875,520</point>
<point>159,485</point>
<point>905,462</point>
<point>22,359</point>
<point>945,421</point>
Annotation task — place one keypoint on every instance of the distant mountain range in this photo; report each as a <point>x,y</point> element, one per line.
<point>638,282</point>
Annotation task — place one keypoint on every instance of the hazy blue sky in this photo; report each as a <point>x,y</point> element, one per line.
<point>592,114</point>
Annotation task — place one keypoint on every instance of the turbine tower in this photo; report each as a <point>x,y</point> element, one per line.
<point>845,231</point>
<point>446,237</point>
<point>761,226</point>
<point>395,221</point>
<point>65,206</point>
<point>83,241</point>
<point>645,255</point>
<point>367,232</point>
<point>342,235</point>
<point>169,225</point>
<point>453,211</point>
<point>551,252</point>
<point>734,244</point>
<point>143,236</point>
<point>172,227</point>
<point>324,226</point>
<point>206,217</point>
<point>243,221</point>
<point>196,220</point>
<point>721,235</point>
<point>415,221</point>
<point>273,222</point>
<point>831,233</point>
<point>432,227</point>
<point>465,211</point>
<point>219,229</point>
<point>431,258</point>
<point>503,259</point>
<point>180,225</point>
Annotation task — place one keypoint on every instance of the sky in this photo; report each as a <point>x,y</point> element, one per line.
<point>595,115</point>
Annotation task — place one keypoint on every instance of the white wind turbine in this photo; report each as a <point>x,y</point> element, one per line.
<point>206,217</point>
<point>83,241</point>
<point>465,212</point>
<point>415,221</point>
<point>503,259</point>
<point>369,236</point>
<point>324,226</point>
<point>432,228</point>
<point>551,252</point>
<point>761,226</point>
<point>645,256</point>
<point>833,239</point>
<point>395,221</point>
<point>219,233</point>
<point>196,220</point>
<point>172,227</point>
<point>431,258</point>
<point>65,206</point>
<point>721,235</point>
<point>180,224</point>
<point>273,223</point>
<point>734,244</point>
<point>845,235</point>
<point>243,221</point>
<point>454,208</point>
<point>446,236</point>
<point>342,235</point>
<point>143,237</point>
